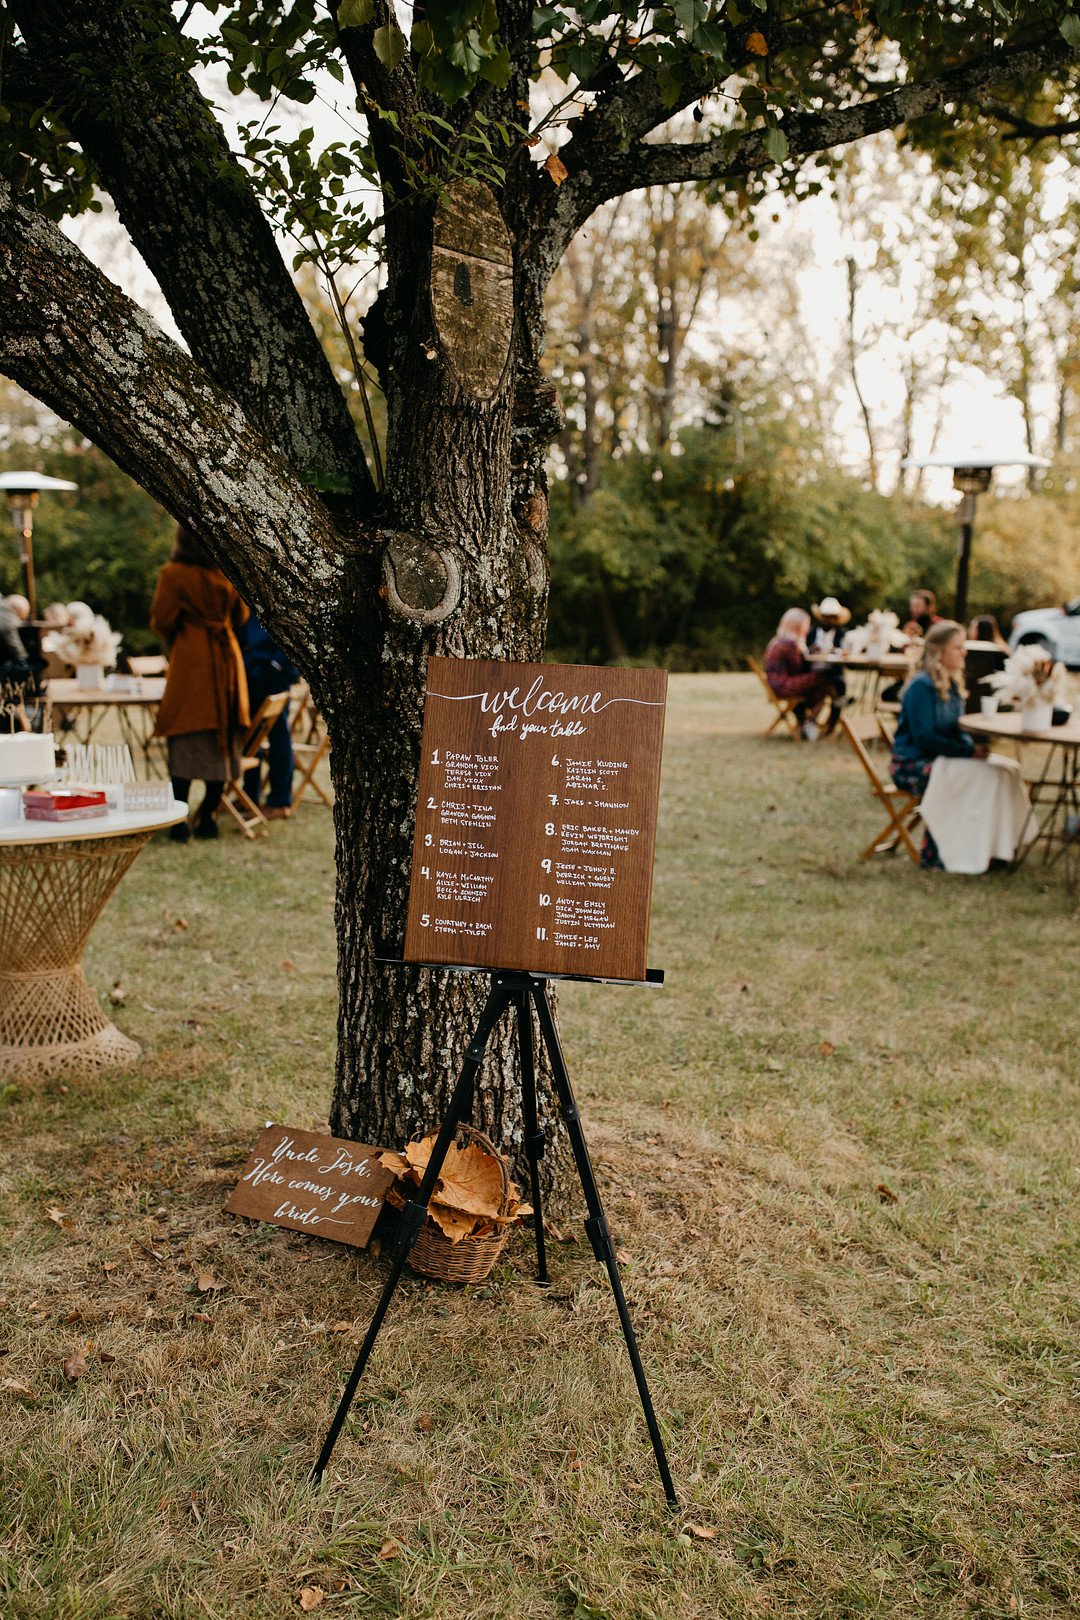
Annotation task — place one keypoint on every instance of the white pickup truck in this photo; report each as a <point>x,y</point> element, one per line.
<point>1057,628</point>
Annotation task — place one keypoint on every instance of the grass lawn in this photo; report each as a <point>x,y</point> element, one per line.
<point>840,1151</point>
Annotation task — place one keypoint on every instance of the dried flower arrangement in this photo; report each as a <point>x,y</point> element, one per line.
<point>85,639</point>
<point>13,694</point>
<point>474,1206</point>
<point>1030,677</point>
<point>879,635</point>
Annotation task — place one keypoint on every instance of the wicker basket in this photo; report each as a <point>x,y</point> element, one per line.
<point>470,1259</point>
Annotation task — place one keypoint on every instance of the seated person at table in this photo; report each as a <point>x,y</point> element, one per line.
<point>930,711</point>
<point>986,628</point>
<point>828,633</point>
<point>13,661</point>
<point>791,676</point>
<point>922,613</point>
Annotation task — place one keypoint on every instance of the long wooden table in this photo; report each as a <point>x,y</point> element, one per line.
<point>894,666</point>
<point>80,710</point>
<point>1056,790</point>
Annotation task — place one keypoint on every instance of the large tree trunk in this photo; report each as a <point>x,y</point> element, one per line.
<point>464,575</point>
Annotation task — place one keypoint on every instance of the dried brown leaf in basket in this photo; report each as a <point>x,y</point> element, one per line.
<point>470,1179</point>
<point>457,1224</point>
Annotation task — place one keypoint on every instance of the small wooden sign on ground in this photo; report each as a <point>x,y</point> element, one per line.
<point>312,1183</point>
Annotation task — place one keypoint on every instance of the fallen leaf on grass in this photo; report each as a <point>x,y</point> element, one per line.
<point>118,995</point>
<point>826,1048</point>
<point>180,925</point>
<point>15,1386</point>
<point>391,1549</point>
<point>310,1597</point>
<point>75,1366</point>
<point>701,1531</point>
<point>425,1423</point>
<point>341,1327</point>
<point>57,1216</point>
<point>886,1194</point>
<point>207,1283</point>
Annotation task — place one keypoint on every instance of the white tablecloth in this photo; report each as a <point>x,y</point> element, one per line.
<point>977,811</point>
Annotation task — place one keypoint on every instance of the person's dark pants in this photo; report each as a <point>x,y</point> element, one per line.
<point>279,751</point>
<point>911,776</point>
<point>830,687</point>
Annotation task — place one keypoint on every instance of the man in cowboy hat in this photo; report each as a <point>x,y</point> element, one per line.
<point>827,636</point>
<point>828,633</point>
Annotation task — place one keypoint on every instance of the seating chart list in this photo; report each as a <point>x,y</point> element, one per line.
<point>536,817</point>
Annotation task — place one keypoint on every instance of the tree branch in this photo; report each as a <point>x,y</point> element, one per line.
<point>76,342</point>
<point>1021,128</point>
<point>613,170</point>
<point>117,74</point>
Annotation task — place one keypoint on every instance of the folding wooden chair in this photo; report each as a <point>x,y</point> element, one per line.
<point>901,808</point>
<point>785,707</point>
<point>243,809</point>
<point>299,711</point>
<point>308,755</point>
<point>888,715</point>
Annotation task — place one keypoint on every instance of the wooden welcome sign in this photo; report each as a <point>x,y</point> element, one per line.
<point>536,817</point>
<point>312,1183</point>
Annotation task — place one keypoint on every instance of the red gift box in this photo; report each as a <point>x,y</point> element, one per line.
<point>57,804</point>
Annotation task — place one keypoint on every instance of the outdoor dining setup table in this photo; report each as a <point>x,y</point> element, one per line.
<point>878,669</point>
<point>55,878</point>
<point>78,711</point>
<point>1055,791</point>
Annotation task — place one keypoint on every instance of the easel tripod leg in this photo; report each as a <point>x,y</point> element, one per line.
<point>412,1216</point>
<point>597,1228</point>
<point>534,1137</point>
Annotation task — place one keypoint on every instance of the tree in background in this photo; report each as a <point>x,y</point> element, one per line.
<point>620,310</point>
<point>696,566</point>
<point>245,434</point>
<point>104,545</point>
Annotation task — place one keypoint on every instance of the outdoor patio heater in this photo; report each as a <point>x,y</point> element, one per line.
<point>972,470</point>
<point>22,490</point>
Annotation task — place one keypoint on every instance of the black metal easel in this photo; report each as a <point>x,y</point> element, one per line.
<point>511,988</point>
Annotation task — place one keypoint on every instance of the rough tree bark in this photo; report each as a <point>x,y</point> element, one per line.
<point>235,434</point>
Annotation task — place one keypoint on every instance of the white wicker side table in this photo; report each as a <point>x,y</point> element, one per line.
<point>55,878</point>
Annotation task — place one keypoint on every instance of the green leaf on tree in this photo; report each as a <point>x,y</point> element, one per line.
<point>1070,28</point>
<point>691,14</point>
<point>390,46</point>
<point>776,144</point>
<point>496,69</point>
<point>711,40</point>
<point>356,13</point>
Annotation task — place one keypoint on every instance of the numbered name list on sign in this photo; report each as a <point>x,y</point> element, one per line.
<point>536,817</point>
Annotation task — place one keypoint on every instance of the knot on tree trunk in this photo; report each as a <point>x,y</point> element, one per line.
<point>421,580</point>
<point>538,412</point>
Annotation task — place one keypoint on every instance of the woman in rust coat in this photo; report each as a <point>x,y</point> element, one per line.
<point>204,712</point>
